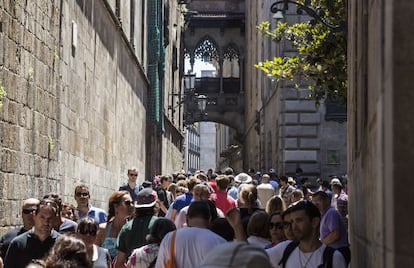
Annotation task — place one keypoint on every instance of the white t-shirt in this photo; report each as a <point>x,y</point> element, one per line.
<point>181,217</point>
<point>265,191</point>
<point>301,259</point>
<point>191,245</point>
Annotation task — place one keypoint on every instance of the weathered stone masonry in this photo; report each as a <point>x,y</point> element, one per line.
<point>73,112</point>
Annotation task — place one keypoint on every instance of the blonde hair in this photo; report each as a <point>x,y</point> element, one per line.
<point>248,195</point>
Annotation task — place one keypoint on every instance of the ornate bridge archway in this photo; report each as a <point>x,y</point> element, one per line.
<point>215,34</point>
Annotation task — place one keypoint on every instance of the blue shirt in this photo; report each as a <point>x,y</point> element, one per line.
<point>97,213</point>
<point>182,201</point>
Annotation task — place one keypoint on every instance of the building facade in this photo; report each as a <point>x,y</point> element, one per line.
<point>192,148</point>
<point>207,146</point>
<point>77,77</point>
<point>165,132</point>
<point>285,129</point>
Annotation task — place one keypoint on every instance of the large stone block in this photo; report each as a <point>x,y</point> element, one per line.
<point>291,143</point>
<point>301,131</point>
<point>24,163</point>
<point>9,160</point>
<point>300,106</point>
<point>290,93</point>
<point>310,118</point>
<point>10,134</point>
<point>12,112</point>
<point>290,118</point>
<point>310,143</point>
<point>300,156</point>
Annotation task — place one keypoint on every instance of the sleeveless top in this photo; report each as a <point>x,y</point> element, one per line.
<point>103,258</point>
<point>110,242</point>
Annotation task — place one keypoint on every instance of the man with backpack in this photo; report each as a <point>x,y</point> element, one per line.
<point>307,251</point>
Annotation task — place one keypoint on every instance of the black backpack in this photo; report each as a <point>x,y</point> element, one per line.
<point>327,255</point>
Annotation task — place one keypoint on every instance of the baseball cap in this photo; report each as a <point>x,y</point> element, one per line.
<point>236,254</point>
<point>146,198</point>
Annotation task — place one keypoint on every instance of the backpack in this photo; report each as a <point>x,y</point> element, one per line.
<point>327,255</point>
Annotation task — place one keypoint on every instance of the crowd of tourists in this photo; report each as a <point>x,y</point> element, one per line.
<point>205,219</point>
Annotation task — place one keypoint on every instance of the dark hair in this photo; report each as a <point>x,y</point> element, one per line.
<point>165,178</point>
<point>68,252</point>
<point>87,224</point>
<point>191,183</point>
<point>326,184</point>
<point>223,228</point>
<point>81,186</point>
<point>228,171</point>
<point>55,197</point>
<point>284,178</point>
<point>310,209</point>
<point>222,182</point>
<point>48,203</point>
<point>159,229</point>
<point>258,224</point>
<point>199,209</point>
<point>321,194</point>
<point>181,177</point>
<point>213,209</point>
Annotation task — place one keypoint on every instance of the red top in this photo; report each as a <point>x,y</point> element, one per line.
<point>223,201</point>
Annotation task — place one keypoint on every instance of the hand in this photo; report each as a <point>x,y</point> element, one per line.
<point>233,217</point>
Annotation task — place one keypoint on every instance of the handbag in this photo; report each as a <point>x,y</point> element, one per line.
<point>171,261</point>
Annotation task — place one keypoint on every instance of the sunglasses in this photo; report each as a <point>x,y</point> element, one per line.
<point>128,203</point>
<point>278,225</point>
<point>28,210</point>
<point>88,232</point>
<point>84,194</point>
<point>133,175</point>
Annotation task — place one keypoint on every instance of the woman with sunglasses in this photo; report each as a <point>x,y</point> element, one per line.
<point>87,230</point>
<point>121,208</point>
<point>276,229</point>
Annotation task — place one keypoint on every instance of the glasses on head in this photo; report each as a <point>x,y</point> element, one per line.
<point>48,202</point>
<point>128,203</point>
<point>133,175</point>
<point>83,194</point>
<point>28,210</point>
<point>91,232</point>
<point>278,225</point>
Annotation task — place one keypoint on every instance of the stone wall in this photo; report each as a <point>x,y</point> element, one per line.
<point>380,140</point>
<point>74,111</point>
